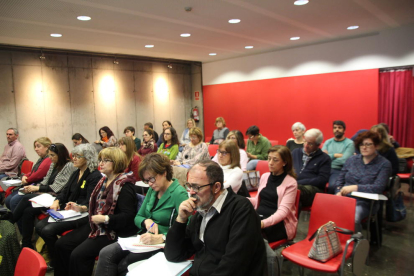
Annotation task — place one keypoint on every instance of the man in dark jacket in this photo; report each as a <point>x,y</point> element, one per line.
<point>312,167</point>
<point>224,234</point>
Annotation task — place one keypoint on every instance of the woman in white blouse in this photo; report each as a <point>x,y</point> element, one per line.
<point>229,160</point>
<point>237,137</point>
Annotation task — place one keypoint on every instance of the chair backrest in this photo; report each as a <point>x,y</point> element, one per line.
<point>262,167</point>
<point>27,166</point>
<point>30,263</point>
<point>274,142</point>
<point>140,201</point>
<point>339,209</point>
<point>19,167</point>
<point>212,149</point>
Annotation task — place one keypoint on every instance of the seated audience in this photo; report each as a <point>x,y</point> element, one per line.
<point>58,175</point>
<point>312,167</point>
<point>237,137</point>
<point>108,138</point>
<point>77,192</point>
<point>148,143</point>
<point>229,160</point>
<point>385,148</point>
<point>257,147</point>
<point>194,152</point>
<point>154,219</point>
<point>223,235</point>
<point>185,136</point>
<point>339,150</point>
<point>298,130</point>
<point>149,125</point>
<point>12,155</point>
<point>129,131</point>
<point>221,132</point>
<point>275,200</point>
<point>78,139</point>
<point>39,170</point>
<point>169,146</point>
<point>165,124</point>
<point>112,207</point>
<point>394,143</point>
<point>127,145</point>
<point>367,172</point>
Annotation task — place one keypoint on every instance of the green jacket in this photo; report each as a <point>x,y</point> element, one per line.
<point>171,152</point>
<point>260,149</point>
<point>166,211</point>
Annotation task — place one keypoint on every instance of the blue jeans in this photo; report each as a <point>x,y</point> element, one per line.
<point>332,181</point>
<point>13,200</point>
<point>362,212</point>
<point>251,165</point>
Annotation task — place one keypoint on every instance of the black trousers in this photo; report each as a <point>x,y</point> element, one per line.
<point>49,232</point>
<point>27,214</point>
<point>76,253</point>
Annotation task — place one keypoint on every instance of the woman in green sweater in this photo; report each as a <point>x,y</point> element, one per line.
<point>156,215</point>
<point>169,147</point>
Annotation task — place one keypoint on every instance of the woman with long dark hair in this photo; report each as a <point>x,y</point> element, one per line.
<point>108,138</point>
<point>169,147</point>
<point>127,145</point>
<point>78,139</point>
<point>165,125</point>
<point>148,144</point>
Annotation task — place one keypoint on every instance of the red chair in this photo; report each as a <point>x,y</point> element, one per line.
<point>27,166</point>
<point>30,263</point>
<point>409,176</point>
<point>274,142</point>
<point>212,149</point>
<point>262,167</point>
<point>325,208</point>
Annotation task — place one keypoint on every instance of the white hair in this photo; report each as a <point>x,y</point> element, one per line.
<point>298,125</point>
<point>16,132</point>
<point>315,133</point>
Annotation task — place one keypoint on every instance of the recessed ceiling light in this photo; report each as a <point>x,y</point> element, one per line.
<point>55,35</point>
<point>352,27</point>
<point>234,21</point>
<point>295,38</point>
<point>301,2</point>
<point>149,46</point>
<point>249,47</point>
<point>84,18</point>
<point>213,54</point>
<point>185,35</point>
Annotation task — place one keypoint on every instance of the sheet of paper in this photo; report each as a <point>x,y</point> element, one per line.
<point>134,245</point>
<point>158,265</point>
<point>12,182</point>
<point>369,196</point>
<point>43,200</point>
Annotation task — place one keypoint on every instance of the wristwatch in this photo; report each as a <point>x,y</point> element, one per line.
<point>106,220</point>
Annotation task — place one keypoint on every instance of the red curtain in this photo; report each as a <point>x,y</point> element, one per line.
<point>395,104</point>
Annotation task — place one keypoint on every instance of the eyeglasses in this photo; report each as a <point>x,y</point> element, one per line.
<point>145,135</point>
<point>168,134</point>
<point>196,188</point>
<point>224,153</point>
<point>77,156</point>
<point>193,137</point>
<point>104,161</point>
<point>151,179</point>
<point>232,138</point>
<point>366,145</point>
<point>310,144</point>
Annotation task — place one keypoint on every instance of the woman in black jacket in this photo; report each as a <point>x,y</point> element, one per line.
<point>78,189</point>
<point>112,208</point>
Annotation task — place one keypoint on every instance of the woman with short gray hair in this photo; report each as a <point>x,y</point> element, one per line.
<point>298,130</point>
<point>77,191</point>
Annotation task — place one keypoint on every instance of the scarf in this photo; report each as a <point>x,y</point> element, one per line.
<point>103,202</point>
<point>39,161</point>
<point>148,145</point>
<point>105,139</point>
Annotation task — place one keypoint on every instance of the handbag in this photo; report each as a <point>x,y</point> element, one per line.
<point>252,180</point>
<point>395,209</point>
<point>327,244</point>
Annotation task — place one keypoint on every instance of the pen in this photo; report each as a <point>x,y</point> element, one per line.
<point>150,227</point>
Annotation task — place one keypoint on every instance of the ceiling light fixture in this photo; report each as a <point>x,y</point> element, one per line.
<point>213,54</point>
<point>84,18</point>
<point>149,46</point>
<point>234,21</point>
<point>56,35</point>
<point>249,47</point>
<point>353,27</point>
<point>185,35</point>
<point>295,38</point>
<point>300,2</point>
<point>169,65</point>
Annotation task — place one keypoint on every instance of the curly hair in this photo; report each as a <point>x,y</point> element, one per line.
<point>90,154</point>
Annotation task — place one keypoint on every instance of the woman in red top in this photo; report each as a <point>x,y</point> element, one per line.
<point>127,145</point>
<point>148,144</point>
<point>39,170</point>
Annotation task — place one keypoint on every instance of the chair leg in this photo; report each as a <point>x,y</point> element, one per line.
<point>301,270</point>
<point>280,261</point>
<point>377,230</point>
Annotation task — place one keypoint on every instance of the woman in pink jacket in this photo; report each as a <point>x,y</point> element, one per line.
<point>275,199</point>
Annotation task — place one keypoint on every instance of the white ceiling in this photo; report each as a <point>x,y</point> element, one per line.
<point>126,26</point>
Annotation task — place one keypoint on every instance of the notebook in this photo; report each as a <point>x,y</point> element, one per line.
<point>158,265</point>
<point>134,245</point>
<point>43,200</point>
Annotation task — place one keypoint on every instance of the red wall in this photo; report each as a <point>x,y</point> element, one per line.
<point>275,104</point>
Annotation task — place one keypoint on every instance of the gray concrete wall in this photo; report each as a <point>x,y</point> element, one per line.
<point>64,94</point>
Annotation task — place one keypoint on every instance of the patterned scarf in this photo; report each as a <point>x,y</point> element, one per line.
<point>148,145</point>
<point>103,202</point>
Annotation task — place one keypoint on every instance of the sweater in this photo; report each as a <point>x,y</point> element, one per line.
<point>60,181</point>
<point>137,142</point>
<point>133,167</point>
<point>233,244</point>
<point>219,135</point>
<point>244,159</point>
<point>12,155</point>
<point>192,154</point>
<point>260,149</point>
<point>316,172</point>
<point>346,147</point>
<point>40,173</point>
<point>286,210</point>
<point>185,137</point>
<point>292,145</point>
<point>171,152</point>
<point>232,177</point>
<point>166,211</point>
<point>112,142</point>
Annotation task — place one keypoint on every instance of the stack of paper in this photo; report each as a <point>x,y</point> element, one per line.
<point>12,182</point>
<point>69,215</point>
<point>158,265</point>
<point>43,200</point>
<point>369,196</point>
<point>134,245</point>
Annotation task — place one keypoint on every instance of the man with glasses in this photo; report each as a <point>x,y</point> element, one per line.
<point>312,167</point>
<point>224,233</point>
<point>12,155</point>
